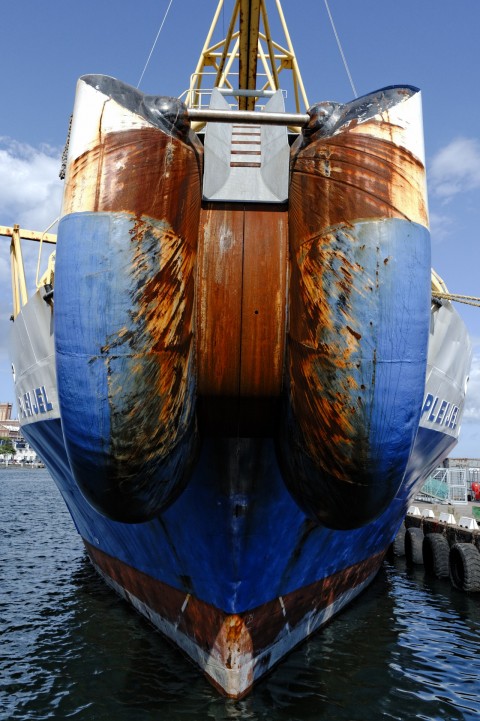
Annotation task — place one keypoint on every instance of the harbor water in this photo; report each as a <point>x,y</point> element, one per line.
<point>409,647</point>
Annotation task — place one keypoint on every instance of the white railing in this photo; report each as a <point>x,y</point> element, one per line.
<point>199,97</point>
<point>446,485</point>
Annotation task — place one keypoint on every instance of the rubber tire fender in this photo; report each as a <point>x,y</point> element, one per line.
<point>465,567</point>
<point>436,550</point>
<point>413,546</point>
<point>398,545</point>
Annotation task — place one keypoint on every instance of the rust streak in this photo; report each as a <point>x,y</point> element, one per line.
<point>383,180</point>
<point>139,171</point>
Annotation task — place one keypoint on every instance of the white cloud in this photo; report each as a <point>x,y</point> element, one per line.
<point>455,168</point>
<point>31,189</point>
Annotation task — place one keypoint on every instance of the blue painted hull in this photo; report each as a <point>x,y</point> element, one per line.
<point>235,551</point>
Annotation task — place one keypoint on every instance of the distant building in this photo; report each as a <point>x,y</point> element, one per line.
<point>24,452</point>
<point>5,411</point>
<point>10,431</point>
<point>462,463</point>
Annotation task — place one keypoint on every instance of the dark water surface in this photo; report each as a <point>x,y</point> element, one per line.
<point>408,648</point>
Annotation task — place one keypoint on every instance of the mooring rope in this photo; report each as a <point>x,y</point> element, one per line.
<point>155,42</point>
<point>340,49</point>
<point>467,299</point>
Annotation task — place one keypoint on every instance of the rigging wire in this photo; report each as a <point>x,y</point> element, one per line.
<point>340,49</point>
<point>155,42</point>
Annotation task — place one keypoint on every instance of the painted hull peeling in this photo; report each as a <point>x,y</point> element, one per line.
<point>129,244</point>
<point>360,268</point>
<point>242,395</point>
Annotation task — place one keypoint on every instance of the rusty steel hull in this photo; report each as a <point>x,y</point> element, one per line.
<point>359,307</point>
<point>129,243</point>
<point>241,317</point>
<point>238,412</point>
<point>351,428</point>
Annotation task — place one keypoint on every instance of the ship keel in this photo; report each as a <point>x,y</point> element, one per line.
<point>235,650</point>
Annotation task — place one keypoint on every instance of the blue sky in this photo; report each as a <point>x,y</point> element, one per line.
<point>47,45</point>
